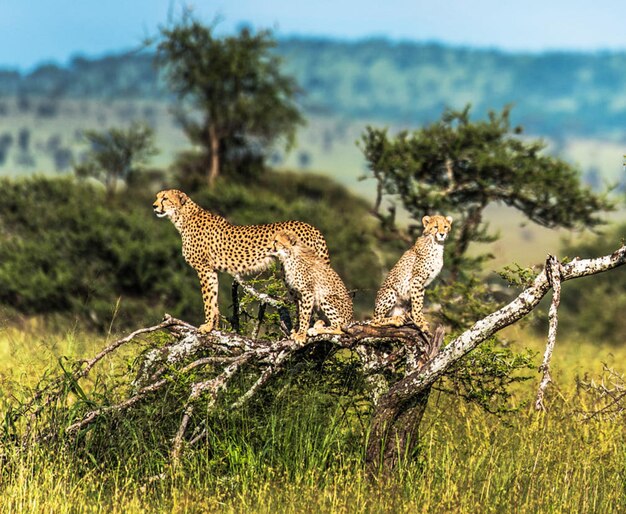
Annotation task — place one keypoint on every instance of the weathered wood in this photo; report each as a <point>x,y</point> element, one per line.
<point>394,432</point>
<point>553,271</point>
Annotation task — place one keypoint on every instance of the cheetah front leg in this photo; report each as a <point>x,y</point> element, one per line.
<point>209,284</point>
<point>417,304</point>
<point>305,309</point>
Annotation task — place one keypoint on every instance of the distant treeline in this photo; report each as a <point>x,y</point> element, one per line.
<point>406,83</point>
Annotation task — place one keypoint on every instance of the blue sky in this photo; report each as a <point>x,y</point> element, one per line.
<point>35,31</point>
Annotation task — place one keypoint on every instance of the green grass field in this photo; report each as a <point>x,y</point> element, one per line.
<point>470,461</point>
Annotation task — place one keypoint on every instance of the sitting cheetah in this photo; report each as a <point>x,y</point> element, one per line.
<point>412,273</point>
<point>212,244</point>
<point>316,285</point>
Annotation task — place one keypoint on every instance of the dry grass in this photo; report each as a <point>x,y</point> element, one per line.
<point>470,461</point>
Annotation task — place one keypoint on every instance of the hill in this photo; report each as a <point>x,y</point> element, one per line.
<point>556,94</point>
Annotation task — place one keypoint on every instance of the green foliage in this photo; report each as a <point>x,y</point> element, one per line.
<point>458,167</point>
<point>245,102</point>
<point>486,376</point>
<point>65,248</point>
<point>116,153</point>
<point>517,276</point>
<point>593,307</point>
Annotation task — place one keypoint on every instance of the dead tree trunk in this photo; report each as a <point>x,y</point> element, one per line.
<point>394,432</point>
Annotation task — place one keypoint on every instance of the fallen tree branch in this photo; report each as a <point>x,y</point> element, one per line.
<point>233,351</point>
<point>213,386</point>
<point>553,272</point>
<point>417,384</point>
<point>404,353</point>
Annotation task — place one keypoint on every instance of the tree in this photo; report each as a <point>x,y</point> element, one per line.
<point>116,153</point>
<point>209,369</point>
<point>458,167</point>
<point>235,102</point>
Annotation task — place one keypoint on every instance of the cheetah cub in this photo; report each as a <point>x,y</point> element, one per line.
<point>316,284</point>
<point>404,286</point>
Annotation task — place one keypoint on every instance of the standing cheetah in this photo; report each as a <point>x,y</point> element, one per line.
<point>211,244</point>
<point>408,279</point>
<point>316,285</point>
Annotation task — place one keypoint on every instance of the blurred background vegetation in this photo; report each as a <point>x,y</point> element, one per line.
<point>103,256</point>
<point>577,101</point>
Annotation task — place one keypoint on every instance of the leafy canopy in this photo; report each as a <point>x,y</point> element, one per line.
<point>116,153</point>
<point>457,166</point>
<point>235,102</point>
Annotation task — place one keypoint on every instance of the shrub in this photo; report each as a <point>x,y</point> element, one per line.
<point>66,248</point>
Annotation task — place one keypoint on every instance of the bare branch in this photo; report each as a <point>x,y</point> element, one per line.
<point>381,349</point>
<point>212,386</point>
<point>553,271</point>
<point>608,396</point>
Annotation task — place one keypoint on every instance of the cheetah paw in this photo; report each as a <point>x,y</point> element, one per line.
<point>298,337</point>
<point>394,321</point>
<point>205,328</point>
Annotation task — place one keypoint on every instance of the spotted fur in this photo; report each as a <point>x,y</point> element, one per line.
<point>403,290</point>
<point>315,284</point>
<point>211,244</point>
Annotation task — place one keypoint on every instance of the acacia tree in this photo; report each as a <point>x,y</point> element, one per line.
<point>116,153</point>
<point>459,167</point>
<point>234,100</point>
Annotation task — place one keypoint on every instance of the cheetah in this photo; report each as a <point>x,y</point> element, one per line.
<point>211,244</point>
<point>408,279</point>
<point>315,284</point>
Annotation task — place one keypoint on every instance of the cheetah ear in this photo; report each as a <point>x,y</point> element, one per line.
<point>182,198</point>
<point>425,220</point>
<point>449,219</point>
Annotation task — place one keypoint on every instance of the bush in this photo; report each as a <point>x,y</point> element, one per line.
<point>66,249</point>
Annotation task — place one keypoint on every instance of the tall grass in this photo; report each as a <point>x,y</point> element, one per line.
<point>307,455</point>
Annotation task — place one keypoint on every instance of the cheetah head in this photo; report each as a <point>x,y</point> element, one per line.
<point>438,226</point>
<point>284,243</point>
<point>168,202</point>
